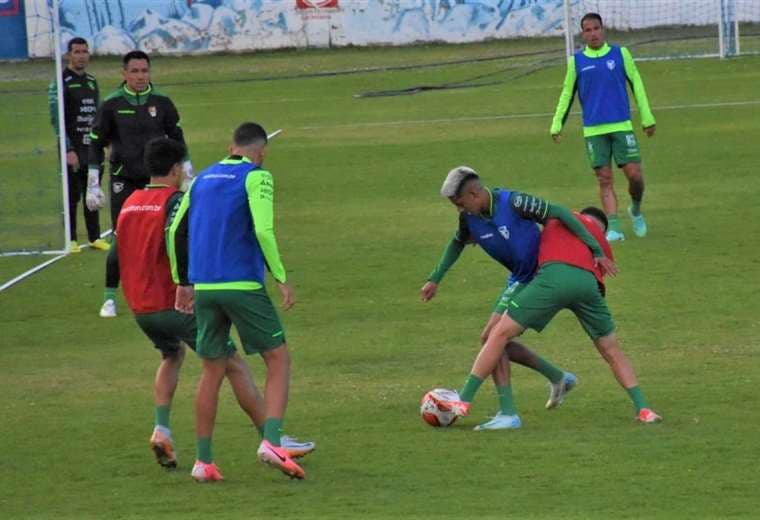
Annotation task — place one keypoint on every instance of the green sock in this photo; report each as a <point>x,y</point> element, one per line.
<point>506,404</point>
<point>636,207</point>
<point>162,415</point>
<point>637,397</point>
<point>549,371</point>
<point>470,388</point>
<point>613,223</point>
<point>109,293</point>
<point>204,450</point>
<point>273,430</point>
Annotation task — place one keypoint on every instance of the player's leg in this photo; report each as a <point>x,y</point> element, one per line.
<point>625,149</point>
<point>121,189</point>
<point>595,318</point>
<point>261,331</point>
<point>252,403</point>
<point>213,347</point>
<point>599,152</point>
<point>165,329</point>
<point>74,196</point>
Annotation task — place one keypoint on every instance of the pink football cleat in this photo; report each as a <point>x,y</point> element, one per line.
<point>279,458</point>
<point>203,472</point>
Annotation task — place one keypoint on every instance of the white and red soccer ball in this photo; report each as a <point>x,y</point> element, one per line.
<point>434,411</point>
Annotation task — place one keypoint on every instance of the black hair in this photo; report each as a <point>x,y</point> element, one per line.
<point>78,40</point>
<point>134,55</point>
<point>592,16</point>
<point>597,213</point>
<point>161,154</point>
<point>465,181</point>
<point>249,133</point>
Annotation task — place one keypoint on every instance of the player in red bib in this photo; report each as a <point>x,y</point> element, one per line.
<point>150,294</point>
<point>568,277</point>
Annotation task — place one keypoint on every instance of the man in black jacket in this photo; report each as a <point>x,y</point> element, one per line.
<point>128,118</point>
<point>80,101</point>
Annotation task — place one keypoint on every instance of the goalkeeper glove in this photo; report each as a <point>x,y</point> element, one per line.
<point>94,199</point>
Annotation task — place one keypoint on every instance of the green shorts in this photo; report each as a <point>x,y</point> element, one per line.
<point>251,312</point>
<point>168,330</point>
<point>512,290</point>
<point>623,146</point>
<point>561,286</point>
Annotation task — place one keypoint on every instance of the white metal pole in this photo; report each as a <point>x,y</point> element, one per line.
<point>737,50</point>
<point>721,36</point>
<point>569,28</point>
<point>55,15</point>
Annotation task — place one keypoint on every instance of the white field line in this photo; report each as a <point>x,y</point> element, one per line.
<point>505,117</point>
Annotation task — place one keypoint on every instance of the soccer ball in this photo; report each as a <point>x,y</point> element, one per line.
<point>433,411</point>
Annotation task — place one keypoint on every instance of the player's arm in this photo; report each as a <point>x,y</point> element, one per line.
<point>100,135</point>
<point>637,86</point>
<point>176,229</point>
<point>451,252</point>
<point>260,188</point>
<point>565,99</point>
<point>53,107</point>
<point>540,210</point>
<point>174,131</point>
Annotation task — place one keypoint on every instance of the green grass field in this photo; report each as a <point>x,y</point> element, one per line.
<point>360,225</point>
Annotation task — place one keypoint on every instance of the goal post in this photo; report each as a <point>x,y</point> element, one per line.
<point>34,209</point>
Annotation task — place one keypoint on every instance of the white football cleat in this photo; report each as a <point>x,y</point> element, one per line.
<point>558,391</point>
<point>295,448</point>
<point>108,310</point>
<point>500,422</point>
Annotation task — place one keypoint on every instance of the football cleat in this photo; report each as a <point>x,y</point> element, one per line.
<point>295,448</point>
<point>278,457</point>
<point>74,247</point>
<point>108,310</point>
<point>100,244</point>
<point>458,408</point>
<point>203,472</point>
<point>500,422</point>
<point>614,236</point>
<point>557,391</point>
<point>639,224</point>
<point>163,447</point>
<point>648,416</point>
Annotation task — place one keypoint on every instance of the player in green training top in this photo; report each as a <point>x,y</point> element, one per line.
<point>599,74</point>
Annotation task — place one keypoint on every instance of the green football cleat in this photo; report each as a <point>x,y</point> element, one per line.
<point>639,224</point>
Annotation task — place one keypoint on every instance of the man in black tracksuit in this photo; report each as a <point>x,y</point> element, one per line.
<point>128,118</point>
<point>80,101</point>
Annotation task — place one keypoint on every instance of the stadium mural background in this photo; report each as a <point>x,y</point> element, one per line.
<point>199,26</point>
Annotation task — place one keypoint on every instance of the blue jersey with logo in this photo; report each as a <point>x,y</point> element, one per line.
<point>223,245</point>
<point>507,237</point>
<point>601,87</point>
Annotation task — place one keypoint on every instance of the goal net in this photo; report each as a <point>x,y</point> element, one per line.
<point>666,29</point>
<point>32,191</point>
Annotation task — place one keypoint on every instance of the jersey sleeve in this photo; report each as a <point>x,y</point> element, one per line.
<point>637,85</point>
<point>452,251</point>
<point>565,98</point>
<point>260,188</point>
<point>173,126</point>
<point>539,210</point>
<point>100,136</point>
<point>177,236</point>
<point>53,108</point>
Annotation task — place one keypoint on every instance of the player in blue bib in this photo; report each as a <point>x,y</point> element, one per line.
<point>599,74</point>
<point>504,224</point>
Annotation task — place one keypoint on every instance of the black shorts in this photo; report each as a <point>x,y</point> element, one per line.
<point>121,188</point>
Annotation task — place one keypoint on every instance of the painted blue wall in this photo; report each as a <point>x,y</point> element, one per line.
<point>13,43</point>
